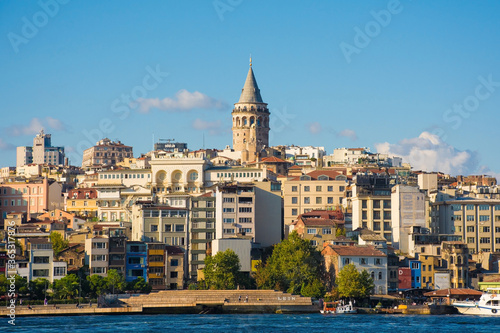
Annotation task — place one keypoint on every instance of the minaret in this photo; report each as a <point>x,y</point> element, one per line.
<point>250,121</point>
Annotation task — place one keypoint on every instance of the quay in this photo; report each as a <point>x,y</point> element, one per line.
<point>183,301</point>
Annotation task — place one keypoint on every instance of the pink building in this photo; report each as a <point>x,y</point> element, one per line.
<point>32,197</point>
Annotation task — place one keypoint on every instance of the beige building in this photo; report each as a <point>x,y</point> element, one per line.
<point>41,152</point>
<point>250,121</point>
<point>371,205</point>
<point>106,152</point>
<point>97,255</point>
<point>477,221</point>
<point>317,190</point>
<point>318,226</point>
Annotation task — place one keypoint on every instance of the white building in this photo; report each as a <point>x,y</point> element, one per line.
<point>97,255</point>
<point>408,210</point>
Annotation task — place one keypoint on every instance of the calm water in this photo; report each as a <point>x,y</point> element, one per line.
<point>255,323</point>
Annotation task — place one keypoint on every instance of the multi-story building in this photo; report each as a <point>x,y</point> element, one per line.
<point>407,211</point>
<point>250,211</point>
<point>82,202</point>
<point>318,226</point>
<point>97,255</point>
<point>136,261</point>
<point>371,204</point>
<point>74,255</point>
<point>215,175</point>
<point>116,256</point>
<point>175,267</point>
<point>477,221</point>
<point>456,256</point>
<point>202,230</point>
<point>106,152</point>
<point>156,265</point>
<point>416,273</point>
<point>317,190</point>
<point>41,263</point>
<point>363,257</point>
<point>30,196</point>
<point>42,152</point>
<point>250,121</point>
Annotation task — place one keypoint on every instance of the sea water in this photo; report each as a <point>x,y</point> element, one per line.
<point>310,323</point>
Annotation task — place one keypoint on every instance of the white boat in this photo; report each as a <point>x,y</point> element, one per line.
<point>488,304</point>
<point>346,309</point>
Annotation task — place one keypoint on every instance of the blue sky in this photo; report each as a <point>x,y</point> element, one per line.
<point>419,79</point>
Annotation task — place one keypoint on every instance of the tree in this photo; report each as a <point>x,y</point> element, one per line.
<point>294,267</point>
<point>141,285</point>
<point>38,288</point>
<point>58,243</point>
<point>115,281</point>
<point>67,287</point>
<point>97,285</point>
<point>351,283</point>
<point>340,232</point>
<point>222,270</point>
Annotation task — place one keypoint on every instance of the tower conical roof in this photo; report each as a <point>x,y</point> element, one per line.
<point>250,92</point>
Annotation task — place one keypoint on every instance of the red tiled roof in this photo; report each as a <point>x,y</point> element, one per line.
<point>295,167</point>
<point>324,214</point>
<point>365,251</point>
<point>453,291</point>
<point>273,159</point>
<point>321,222</point>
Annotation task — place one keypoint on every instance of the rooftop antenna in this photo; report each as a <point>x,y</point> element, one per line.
<point>203,140</point>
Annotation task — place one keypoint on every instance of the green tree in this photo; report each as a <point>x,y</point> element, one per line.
<point>38,288</point>
<point>67,287</point>
<point>351,283</point>
<point>340,232</point>
<point>294,267</point>
<point>141,285</point>
<point>222,270</point>
<point>21,284</point>
<point>97,285</point>
<point>115,281</point>
<point>58,243</point>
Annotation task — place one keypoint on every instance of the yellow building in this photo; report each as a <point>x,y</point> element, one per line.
<point>82,202</point>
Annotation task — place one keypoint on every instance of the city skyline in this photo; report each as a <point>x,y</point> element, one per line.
<point>411,79</point>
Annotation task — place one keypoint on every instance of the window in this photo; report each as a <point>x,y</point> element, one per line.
<point>327,231</point>
<point>469,207</point>
<point>380,275</point>
<point>378,261</point>
<point>245,209</point>
<point>154,227</point>
<point>470,240</point>
<point>470,228</point>
<point>294,188</point>
<point>311,231</point>
<point>228,231</point>
<point>228,200</point>
<point>329,188</point>
<point>470,217</point>
<point>174,262</point>
<point>376,203</point>
<point>423,268</point>
<point>414,265</point>
<point>363,204</point>
<point>341,188</point>
<point>294,200</point>
<point>294,211</point>
<point>484,218</point>
<point>99,245</point>
<point>318,188</point>
<point>484,207</point>
<point>40,272</point>
<point>246,230</point>
<point>497,229</point>
<point>318,200</point>
<point>307,200</point>
<point>228,210</point>
<point>314,243</point>
<point>99,257</point>
<point>376,215</point>
<point>245,220</point>
<point>306,189</point>
<point>41,260</point>
<point>173,275</point>
<point>363,261</point>
<point>364,214</point>
<point>484,240</point>
<point>98,270</point>
<point>168,227</point>
<point>486,229</point>
<point>227,220</point>
<point>330,200</point>
<point>347,261</point>
<point>179,228</point>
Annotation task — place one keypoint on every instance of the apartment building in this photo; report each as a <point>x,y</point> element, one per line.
<point>40,262</point>
<point>477,221</point>
<point>366,258</point>
<point>202,230</point>
<point>82,202</point>
<point>371,204</point>
<point>318,226</point>
<point>136,261</point>
<point>156,265</point>
<point>106,152</point>
<point>97,255</point>
<point>317,190</point>
<point>42,152</point>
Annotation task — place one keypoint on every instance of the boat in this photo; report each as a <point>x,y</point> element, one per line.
<point>329,307</point>
<point>488,304</point>
<point>346,309</point>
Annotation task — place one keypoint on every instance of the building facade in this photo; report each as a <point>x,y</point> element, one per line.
<point>41,152</point>
<point>106,152</point>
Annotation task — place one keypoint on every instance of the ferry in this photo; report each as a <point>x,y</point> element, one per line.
<point>488,304</point>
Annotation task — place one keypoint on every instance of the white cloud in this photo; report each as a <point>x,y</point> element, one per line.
<point>429,153</point>
<point>183,101</point>
<point>314,128</point>
<point>214,127</point>
<point>5,145</point>
<point>35,125</point>
<point>348,133</point>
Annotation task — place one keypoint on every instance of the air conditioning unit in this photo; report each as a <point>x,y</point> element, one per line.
<point>158,274</point>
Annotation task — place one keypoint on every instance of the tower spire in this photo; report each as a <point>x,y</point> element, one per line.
<point>250,92</point>
<point>250,60</point>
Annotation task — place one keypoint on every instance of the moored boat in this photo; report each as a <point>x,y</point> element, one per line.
<point>488,304</point>
<point>346,309</point>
